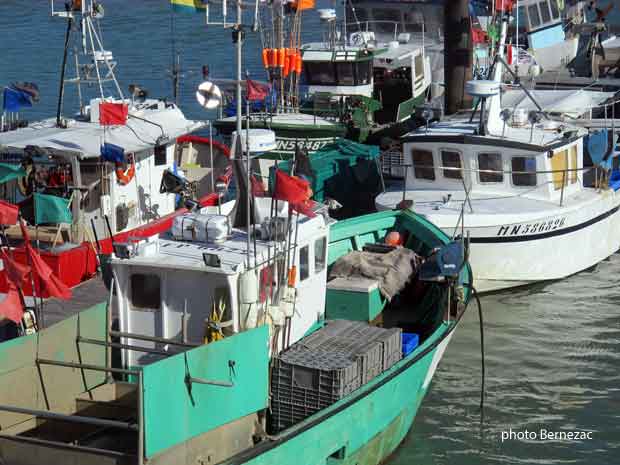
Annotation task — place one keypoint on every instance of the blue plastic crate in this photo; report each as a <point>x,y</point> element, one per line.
<point>410,342</point>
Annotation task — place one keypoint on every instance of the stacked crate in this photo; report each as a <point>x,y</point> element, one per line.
<point>326,366</point>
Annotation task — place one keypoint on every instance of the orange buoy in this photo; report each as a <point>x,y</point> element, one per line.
<point>292,276</point>
<point>124,177</point>
<point>281,57</point>
<point>394,238</point>
<point>266,58</point>
<point>298,63</point>
<point>287,66</point>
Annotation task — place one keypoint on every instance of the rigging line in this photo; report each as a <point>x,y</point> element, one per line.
<point>482,362</point>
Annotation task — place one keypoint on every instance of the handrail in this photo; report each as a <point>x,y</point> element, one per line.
<point>476,170</point>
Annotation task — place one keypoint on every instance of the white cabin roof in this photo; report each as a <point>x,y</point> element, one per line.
<point>572,103</point>
<point>166,252</point>
<point>545,134</point>
<point>159,123</point>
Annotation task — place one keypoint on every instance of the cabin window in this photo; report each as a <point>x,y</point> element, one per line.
<point>145,291</point>
<point>160,155</point>
<point>450,159</point>
<point>573,164</point>
<point>364,72</point>
<point>423,167</point>
<point>534,15</point>
<point>304,262</point>
<point>524,171</point>
<point>320,73</point>
<point>419,66</point>
<point>490,162</point>
<point>544,11</point>
<point>555,13</point>
<point>320,247</point>
<point>345,74</point>
<point>559,165</point>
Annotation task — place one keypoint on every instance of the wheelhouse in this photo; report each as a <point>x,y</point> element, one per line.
<point>493,169</point>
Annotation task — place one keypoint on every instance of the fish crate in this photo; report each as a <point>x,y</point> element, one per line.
<point>390,340</point>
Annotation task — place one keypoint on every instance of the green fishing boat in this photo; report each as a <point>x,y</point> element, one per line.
<point>276,353</point>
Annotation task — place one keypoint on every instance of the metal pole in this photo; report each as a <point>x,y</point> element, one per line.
<point>61,92</point>
<point>69,418</point>
<point>209,382</point>
<point>140,419</point>
<point>85,366</point>
<point>161,340</point>
<point>123,346</point>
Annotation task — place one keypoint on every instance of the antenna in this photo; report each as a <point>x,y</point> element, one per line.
<point>98,65</point>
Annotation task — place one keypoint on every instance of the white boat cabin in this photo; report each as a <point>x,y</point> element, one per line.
<point>175,288</point>
<point>531,162</point>
<point>66,161</point>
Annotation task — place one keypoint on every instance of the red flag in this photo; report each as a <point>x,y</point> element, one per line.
<point>113,113</point>
<point>258,190</point>
<point>478,36</point>
<point>8,213</point>
<point>256,91</point>
<point>503,5</point>
<point>11,307</point>
<point>16,272</point>
<point>291,188</point>
<point>305,208</point>
<point>47,279</point>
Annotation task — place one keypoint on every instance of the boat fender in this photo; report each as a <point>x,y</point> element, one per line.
<point>248,288</point>
<point>287,304</point>
<point>597,145</point>
<point>123,176</point>
<point>277,315</point>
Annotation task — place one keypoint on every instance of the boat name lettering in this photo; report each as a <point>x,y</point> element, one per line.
<point>312,145</point>
<point>531,228</point>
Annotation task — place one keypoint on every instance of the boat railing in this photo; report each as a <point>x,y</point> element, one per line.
<point>599,175</point>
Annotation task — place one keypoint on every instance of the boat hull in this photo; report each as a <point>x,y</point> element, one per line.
<point>511,253</point>
<point>365,429</point>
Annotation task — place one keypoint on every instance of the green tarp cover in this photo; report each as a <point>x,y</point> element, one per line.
<point>9,172</point>
<point>51,209</point>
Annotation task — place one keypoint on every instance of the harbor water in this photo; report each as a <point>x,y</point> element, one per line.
<point>552,351</point>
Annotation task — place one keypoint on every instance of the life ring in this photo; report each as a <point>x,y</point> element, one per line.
<point>124,177</point>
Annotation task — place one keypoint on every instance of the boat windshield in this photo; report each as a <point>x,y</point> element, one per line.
<point>327,73</point>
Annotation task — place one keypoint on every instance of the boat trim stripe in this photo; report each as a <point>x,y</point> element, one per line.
<point>266,446</point>
<point>545,235</point>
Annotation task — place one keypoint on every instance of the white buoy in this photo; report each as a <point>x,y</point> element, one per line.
<point>260,140</point>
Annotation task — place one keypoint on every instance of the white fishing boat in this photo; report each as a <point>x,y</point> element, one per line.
<point>103,163</point>
<point>543,37</point>
<point>514,184</point>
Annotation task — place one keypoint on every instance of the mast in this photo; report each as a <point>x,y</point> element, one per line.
<point>457,57</point>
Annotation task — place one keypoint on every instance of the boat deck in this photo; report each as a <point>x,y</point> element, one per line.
<point>85,295</point>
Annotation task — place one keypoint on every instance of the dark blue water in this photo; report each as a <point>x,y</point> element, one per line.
<point>552,351</point>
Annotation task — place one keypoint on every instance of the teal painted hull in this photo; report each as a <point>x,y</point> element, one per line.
<point>366,427</point>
